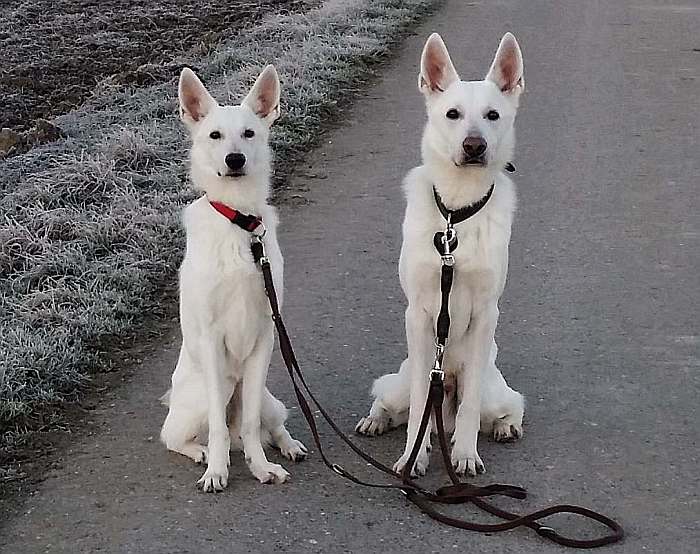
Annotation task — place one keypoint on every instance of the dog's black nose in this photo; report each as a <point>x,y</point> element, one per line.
<point>235,160</point>
<point>474,147</point>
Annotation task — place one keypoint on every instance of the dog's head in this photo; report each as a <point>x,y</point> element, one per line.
<point>470,123</point>
<point>229,142</point>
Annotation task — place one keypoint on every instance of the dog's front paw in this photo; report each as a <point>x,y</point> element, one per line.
<point>214,479</point>
<point>419,468</point>
<point>294,450</point>
<point>269,473</point>
<point>372,425</point>
<point>467,463</point>
<point>505,430</point>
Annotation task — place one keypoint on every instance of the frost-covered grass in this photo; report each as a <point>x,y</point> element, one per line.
<point>89,231</point>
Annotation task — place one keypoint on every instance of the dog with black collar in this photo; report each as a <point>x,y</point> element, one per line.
<point>467,143</point>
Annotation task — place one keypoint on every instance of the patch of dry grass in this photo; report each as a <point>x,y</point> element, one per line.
<point>89,231</point>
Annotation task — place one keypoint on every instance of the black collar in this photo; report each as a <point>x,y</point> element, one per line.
<point>457,216</point>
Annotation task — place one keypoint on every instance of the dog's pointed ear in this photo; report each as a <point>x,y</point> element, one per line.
<point>436,70</point>
<point>507,67</point>
<point>195,100</point>
<point>264,97</point>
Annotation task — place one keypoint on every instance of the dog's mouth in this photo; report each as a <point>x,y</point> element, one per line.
<point>476,161</point>
<point>233,173</point>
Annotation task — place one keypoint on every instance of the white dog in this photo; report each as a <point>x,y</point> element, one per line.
<point>467,142</point>
<point>227,330</point>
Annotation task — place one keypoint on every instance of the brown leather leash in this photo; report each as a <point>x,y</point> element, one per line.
<point>456,493</point>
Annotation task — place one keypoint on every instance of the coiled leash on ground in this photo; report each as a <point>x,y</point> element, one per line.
<point>458,492</point>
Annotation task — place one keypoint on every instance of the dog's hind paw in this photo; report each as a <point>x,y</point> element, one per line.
<point>213,480</point>
<point>505,430</point>
<point>294,450</point>
<point>197,452</point>
<point>269,473</point>
<point>372,425</point>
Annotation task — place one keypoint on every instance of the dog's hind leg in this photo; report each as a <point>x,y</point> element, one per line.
<point>502,408</point>
<point>273,432</point>
<point>272,418</point>
<point>391,400</point>
<point>187,412</point>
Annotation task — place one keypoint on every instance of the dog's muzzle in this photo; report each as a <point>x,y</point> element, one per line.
<point>474,148</point>
<point>235,161</point>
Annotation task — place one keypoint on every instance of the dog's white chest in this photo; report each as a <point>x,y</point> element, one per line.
<point>481,255</point>
<point>222,289</point>
<point>479,273</point>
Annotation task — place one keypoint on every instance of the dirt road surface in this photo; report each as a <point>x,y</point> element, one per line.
<point>598,324</point>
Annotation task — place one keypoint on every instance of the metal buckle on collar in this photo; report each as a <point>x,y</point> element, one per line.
<point>260,231</point>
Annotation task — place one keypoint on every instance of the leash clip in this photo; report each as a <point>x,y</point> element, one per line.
<point>258,240</point>
<point>437,365</point>
<point>447,238</point>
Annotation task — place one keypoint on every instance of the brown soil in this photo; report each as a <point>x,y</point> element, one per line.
<point>55,52</point>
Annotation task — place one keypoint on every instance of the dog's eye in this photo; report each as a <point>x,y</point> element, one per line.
<point>249,133</point>
<point>492,115</point>
<point>452,114</point>
<point>216,135</point>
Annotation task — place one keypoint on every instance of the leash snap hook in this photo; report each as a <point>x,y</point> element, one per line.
<point>259,246</point>
<point>447,239</point>
<point>437,371</point>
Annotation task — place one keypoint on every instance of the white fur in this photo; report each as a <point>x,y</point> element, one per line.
<point>477,394</point>
<point>227,331</point>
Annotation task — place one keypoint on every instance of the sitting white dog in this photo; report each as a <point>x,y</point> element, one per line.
<point>468,140</point>
<point>227,330</point>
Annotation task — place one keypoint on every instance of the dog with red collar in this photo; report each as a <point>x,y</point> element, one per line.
<point>218,399</point>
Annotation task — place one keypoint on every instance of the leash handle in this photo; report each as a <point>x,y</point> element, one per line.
<point>513,520</point>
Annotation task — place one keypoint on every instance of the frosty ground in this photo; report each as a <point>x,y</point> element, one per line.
<point>89,234</point>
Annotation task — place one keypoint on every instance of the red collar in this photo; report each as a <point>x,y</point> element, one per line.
<point>244,221</point>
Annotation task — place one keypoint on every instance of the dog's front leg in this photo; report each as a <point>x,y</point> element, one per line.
<point>213,357</point>
<point>419,336</point>
<point>482,327</point>
<point>254,377</point>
